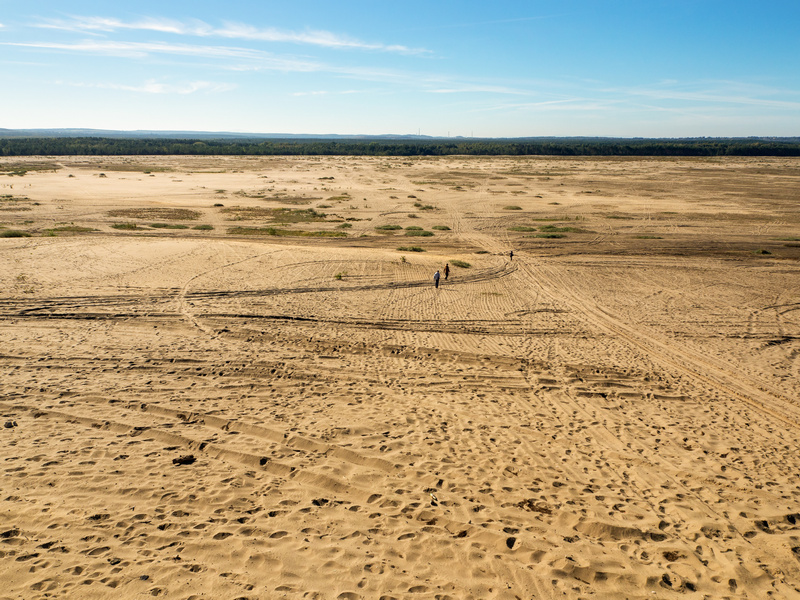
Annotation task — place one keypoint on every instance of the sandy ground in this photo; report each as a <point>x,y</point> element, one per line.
<point>197,411</point>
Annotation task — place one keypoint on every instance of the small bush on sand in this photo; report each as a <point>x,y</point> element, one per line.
<point>418,233</point>
<point>14,233</point>
<point>460,263</point>
<point>411,249</point>
<point>203,227</point>
<point>388,227</point>
<point>441,228</point>
<point>127,226</point>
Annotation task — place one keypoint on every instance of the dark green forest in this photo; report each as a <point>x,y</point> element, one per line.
<point>101,146</point>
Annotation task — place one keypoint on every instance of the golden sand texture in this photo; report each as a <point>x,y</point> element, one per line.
<point>198,401</point>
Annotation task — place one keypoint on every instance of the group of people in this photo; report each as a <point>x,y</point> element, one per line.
<point>437,276</point>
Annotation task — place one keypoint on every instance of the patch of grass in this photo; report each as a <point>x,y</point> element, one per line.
<point>21,168</point>
<point>512,207</point>
<point>412,216</point>
<point>627,217</point>
<point>647,237</point>
<point>522,229</point>
<point>410,249</point>
<point>788,239</point>
<point>481,252</point>
<point>273,231</point>
<point>127,226</point>
<point>555,229</point>
<point>339,275</point>
<point>418,233</point>
<point>276,215</point>
<point>761,251</point>
<point>413,228</point>
<point>68,229</point>
<point>441,228</point>
<point>422,206</point>
<point>203,227</point>
<point>14,233</point>
<point>461,264</point>
<point>551,236</point>
<point>168,226</point>
<point>162,214</point>
<point>388,227</point>
<point>344,226</point>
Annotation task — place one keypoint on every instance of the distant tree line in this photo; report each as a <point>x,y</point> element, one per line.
<point>66,146</point>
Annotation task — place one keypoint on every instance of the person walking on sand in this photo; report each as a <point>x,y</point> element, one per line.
<point>436,277</point>
<point>511,255</point>
<point>446,271</point>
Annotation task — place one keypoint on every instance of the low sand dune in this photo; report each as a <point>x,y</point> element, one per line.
<point>195,407</point>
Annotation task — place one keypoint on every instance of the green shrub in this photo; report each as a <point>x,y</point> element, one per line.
<point>344,226</point>
<point>522,229</point>
<point>168,226</point>
<point>460,263</point>
<point>14,233</point>
<point>68,229</point>
<point>441,228</point>
<point>203,227</point>
<point>127,226</point>
<point>556,229</point>
<point>388,227</point>
<point>411,249</point>
<point>413,228</point>
<point>418,233</point>
<point>512,208</point>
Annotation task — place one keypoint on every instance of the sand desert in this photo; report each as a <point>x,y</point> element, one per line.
<point>233,378</point>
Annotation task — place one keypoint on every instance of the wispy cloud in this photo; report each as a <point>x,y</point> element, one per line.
<point>238,31</point>
<point>155,87</point>
<point>724,93</point>
<point>327,93</point>
<point>262,60</point>
<point>479,89</point>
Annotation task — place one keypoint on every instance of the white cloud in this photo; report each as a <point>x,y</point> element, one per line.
<point>728,93</point>
<point>261,60</point>
<point>326,93</point>
<point>155,87</point>
<point>229,30</point>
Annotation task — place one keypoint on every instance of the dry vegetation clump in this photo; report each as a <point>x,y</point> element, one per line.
<point>71,229</point>
<point>19,169</point>
<point>166,214</point>
<point>276,215</point>
<point>294,200</point>
<point>275,232</point>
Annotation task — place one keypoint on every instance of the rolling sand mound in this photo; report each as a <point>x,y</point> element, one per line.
<point>209,392</point>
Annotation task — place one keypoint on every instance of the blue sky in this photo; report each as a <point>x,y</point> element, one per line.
<point>502,68</point>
